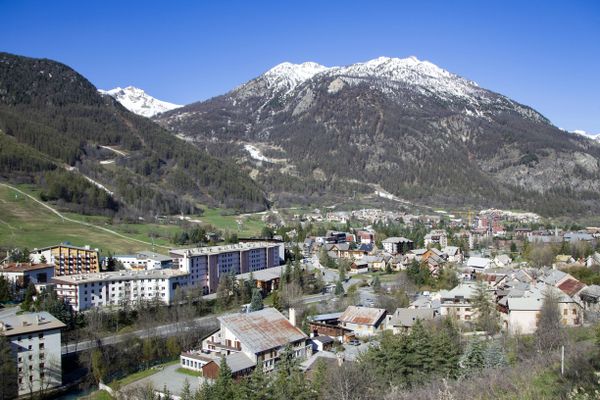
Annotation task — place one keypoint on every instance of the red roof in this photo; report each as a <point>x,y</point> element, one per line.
<point>571,286</point>
<point>24,267</point>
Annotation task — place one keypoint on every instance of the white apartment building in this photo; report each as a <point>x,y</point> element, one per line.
<point>36,344</point>
<point>437,236</point>
<point>144,260</point>
<point>206,265</point>
<point>114,288</point>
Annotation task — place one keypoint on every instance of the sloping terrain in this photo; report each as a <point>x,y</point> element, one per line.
<point>87,151</point>
<point>408,126</point>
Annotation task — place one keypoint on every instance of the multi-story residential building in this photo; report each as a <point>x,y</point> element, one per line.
<point>144,260</point>
<point>456,303</point>
<point>21,274</point>
<point>206,265</point>
<point>115,288</point>
<point>68,260</point>
<point>436,237</point>
<point>248,340</point>
<point>397,245</point>
<point>36,346</point>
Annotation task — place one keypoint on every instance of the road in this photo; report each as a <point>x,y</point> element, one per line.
<point>160,331</point>
<point>9,311</point>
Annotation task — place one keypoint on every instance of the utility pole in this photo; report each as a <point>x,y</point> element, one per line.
<point>562,360</point>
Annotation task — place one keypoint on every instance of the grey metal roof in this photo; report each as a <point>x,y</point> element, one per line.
<point>262,330</point>
<point>362,315</point>
<point>239,362</point>
<point>409,316</point>
<point>326,317</point>
<point>395,239</point>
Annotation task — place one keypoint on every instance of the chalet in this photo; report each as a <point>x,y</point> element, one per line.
<point>329,325</point>
<point>590,298</point>
<point>259,336</point>
<point>456,303</point>
<point>403,319</point>
<point>502,261</point>
<point>453,253</point>
<point>363,321</point>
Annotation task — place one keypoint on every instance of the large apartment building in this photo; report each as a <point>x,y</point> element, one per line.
<point>68,260</point>
<point>116,288</point>
<point>206,265</point>
<point>36,346</point>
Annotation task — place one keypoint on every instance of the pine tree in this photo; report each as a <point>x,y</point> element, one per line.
<point>339,288</point>
<point>30,293</point>
<point>257,301</point>
<point>186,391</point>
<point>494,355</point>
<point>8,371</point>
<point>224,387</point>
<point>5,290</point>
<point>376,284</point>
<point>488,319</point>
<point>474,356</point>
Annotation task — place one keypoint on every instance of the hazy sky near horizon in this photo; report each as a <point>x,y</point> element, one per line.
<point>545,54</point>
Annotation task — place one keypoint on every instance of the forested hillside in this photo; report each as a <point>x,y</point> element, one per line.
<point>84,148</point>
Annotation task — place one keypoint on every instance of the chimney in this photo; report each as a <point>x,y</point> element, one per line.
<point>292,317</point>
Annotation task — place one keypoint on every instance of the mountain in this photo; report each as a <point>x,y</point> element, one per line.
<point>138,101</point>
<point>404,127</point>
<point>591,136</point>
<point>87,152</point>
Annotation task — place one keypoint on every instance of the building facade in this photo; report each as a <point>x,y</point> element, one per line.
<point>206,265</point>
<point>116,288</point>
<point>68,260</point>
<point>35,340</point>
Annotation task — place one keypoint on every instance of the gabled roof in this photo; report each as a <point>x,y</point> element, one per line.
<point>451,250</point>
<point>571,286</point>
<point>478,262</point>
<point>407,317</point>
<point>262,330</point>
<point>592,291</point>
<point>362,315</point>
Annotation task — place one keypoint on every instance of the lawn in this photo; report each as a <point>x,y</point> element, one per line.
<point>189,372</point>
<point>24,223</point>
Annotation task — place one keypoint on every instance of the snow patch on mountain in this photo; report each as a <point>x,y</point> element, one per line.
<point>138,101</point>
<point>255,153</point>
<point>287,76</point>
<point>592,136</point>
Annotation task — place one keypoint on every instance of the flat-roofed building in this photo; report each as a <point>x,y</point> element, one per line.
<point>206,265</point>
<point>68,260</point>
<point>35,340</point>
<point>21,274</point>
<point>144,260</point>
<point>115,288</point>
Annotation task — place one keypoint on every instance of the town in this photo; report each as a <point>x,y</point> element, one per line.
<point>320,293</point>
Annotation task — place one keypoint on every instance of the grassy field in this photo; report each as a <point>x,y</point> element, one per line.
<point>25,223</point>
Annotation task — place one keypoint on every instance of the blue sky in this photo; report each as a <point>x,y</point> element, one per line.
<point>545,54</point>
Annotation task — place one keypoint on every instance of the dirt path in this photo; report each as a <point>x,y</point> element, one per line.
<point>65,218</point>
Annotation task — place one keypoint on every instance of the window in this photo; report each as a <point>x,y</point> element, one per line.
<point>565,311</point>
<point>29,347</point>
<point>41,346</point>
<point>41,335</point>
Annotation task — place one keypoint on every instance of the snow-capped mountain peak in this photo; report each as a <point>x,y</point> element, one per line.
<point>288,75</point>
<point>592,136</point>
<point>139,102</point>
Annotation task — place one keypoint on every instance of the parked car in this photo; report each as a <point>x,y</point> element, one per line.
<point>354,342</point>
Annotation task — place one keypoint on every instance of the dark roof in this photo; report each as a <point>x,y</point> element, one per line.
<point>571,286</point>
<point>24,267</point>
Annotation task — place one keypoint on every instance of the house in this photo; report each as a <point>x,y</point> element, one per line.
<point>322,343</point>
<point>403,319</point>
<point>21,274</point>
<point>363,321</point>
<point>67,259</point>
<point>456,303</point>
<point>35,340</point>
<point>359,267</point>
<point>454,254</point>
<point>329,325</point>
<point>590,298</point>
<point>592,260</point>
<point>436,237</point>
<point>395,245</point>
<point>502,261</point>
<point>374,263</point>
<point>365,237</point>
<point>267,280</point>
<point>479,263</point>
<point>520,313</point>
<point>144,260</point>
<point>260,336</point>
